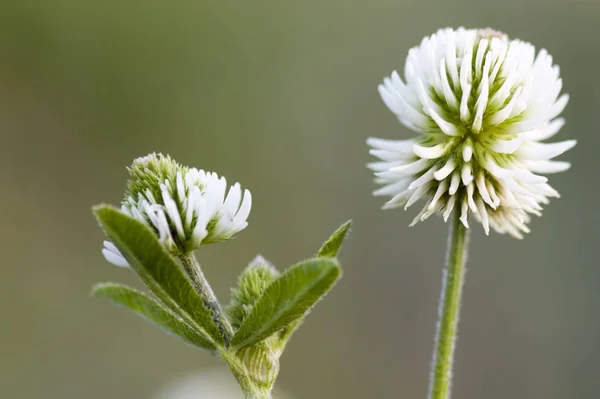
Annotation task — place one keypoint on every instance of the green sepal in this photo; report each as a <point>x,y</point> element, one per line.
<point>153,311</point>
<point>287,300</point>
<point>157,269</point>
<point>333,244</point>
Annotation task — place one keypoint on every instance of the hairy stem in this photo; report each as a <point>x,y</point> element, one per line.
<point>449,309</point>
<point>192,268</point>
<point>250,388</point>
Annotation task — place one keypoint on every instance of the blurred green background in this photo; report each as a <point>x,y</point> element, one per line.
<point>279,95</point>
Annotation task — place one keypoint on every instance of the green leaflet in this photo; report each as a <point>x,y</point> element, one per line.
<point>287,300</point>
<point>157,269</point>
<point>152,311</point>
<point>331,247</point>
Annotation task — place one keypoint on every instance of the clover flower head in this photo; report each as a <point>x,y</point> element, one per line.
<point>482,105</point>
<point>185,207</point>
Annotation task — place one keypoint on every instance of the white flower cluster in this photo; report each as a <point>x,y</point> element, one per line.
<point>186,207</point>
<point>482,105</point>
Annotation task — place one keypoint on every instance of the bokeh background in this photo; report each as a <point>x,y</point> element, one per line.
<point>279,95</point>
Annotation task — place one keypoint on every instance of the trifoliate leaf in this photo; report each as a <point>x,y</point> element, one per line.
<point>157,269</point>
<point>287,299</point>
<point>332,245</point>
<point>152,311</point>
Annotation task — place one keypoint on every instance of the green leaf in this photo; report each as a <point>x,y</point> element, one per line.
<point>330,248</point>
<point>152,311</point>
<point>332,245</point>
<point>287,299</point>
<point>157,269</point>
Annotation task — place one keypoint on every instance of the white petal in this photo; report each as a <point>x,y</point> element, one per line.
<point>222,228</point>
<point>431,109</point>
<point>547,166</point>
<point>419,217</point>
<point>200,232</point>
<point>244,211</point>
<point>494,169</point>
<point>452,62</point>
<point>386,155</point>
<point>384,165</point>
<point>393,188</point>
<point>449,95</point>
<point>526,176</point>
<point>465,112</point>
<point>398,105</point>
<point>492,193</point>
<point>449,208</point>
<point>180,186</point>
<point>135,212</point>
<point>403,90</point>
<point>232,202</point>
<point>481,50</point>
<point>214,194</point>
<point>114,258</point>
<point>424,178</point>
<point>464,213</point>
<point>442,187</point>
<point>113,255</point>
<point>467,153</point>
<point>398,200</point>
<point>454,183</point>
<point>193,196</point>
<point>466,174</point>
<point>417,195</point>
<point>433,152</point>
<point>483,215</point>
<point>445,170</point>
<point>559,106</point>
<point>506,112</point>
<point>436,207</point>
<point>111,247</point>
<point>400,146</point>
<point>411,168</point>
<point>481,187</point>
<point>482,100</point>
<point>470,200</point>
<point>150,197</point>
<point>547,190</point>
<point>508,146</point>
<point>173,212</point>
<point>545,132</point>
<point>540,151</point>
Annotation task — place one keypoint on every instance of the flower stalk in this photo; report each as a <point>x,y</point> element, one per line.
<point>203,288</point>
<point>449,310</point>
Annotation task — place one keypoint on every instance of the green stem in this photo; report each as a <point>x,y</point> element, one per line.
<point>251,389</point>
<point>192,268</point>
<point>449,309</point>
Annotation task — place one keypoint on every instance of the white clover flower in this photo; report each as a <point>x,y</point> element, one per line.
<point>482,105</point>
<point>186,207</point>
